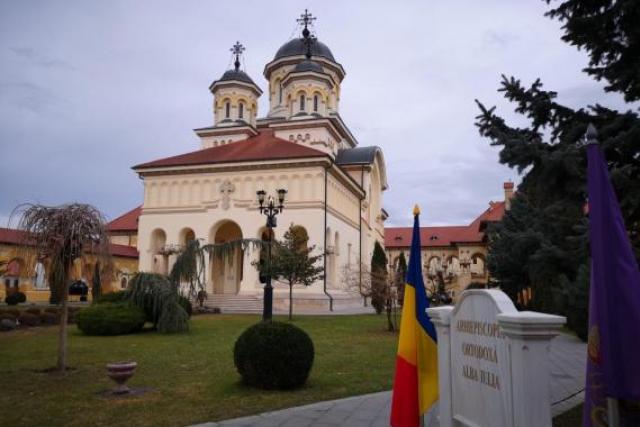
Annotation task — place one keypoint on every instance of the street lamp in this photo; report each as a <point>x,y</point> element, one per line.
<point>269,208</point>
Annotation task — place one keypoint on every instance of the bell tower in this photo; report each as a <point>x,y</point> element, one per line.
<point>235,94</point>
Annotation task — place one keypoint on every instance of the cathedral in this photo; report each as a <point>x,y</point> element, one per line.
<point>333,185</point>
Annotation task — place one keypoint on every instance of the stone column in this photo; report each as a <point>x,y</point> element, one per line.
<point>441,318</point>
<point>208,283</point>
<point>249,272</point>
<point>528,336</point>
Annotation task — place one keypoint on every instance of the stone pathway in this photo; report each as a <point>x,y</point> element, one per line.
<point>568,364</point>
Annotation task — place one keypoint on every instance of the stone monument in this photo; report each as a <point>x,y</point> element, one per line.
<point>493,362</point>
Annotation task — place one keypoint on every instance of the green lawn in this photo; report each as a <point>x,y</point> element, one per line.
<point>192,375</point>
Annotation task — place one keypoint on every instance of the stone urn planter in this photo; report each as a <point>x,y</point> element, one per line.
<point>120,372</point>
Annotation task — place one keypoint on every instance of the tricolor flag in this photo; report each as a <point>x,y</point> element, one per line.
<point>415,386</point>
<point>613,349</point>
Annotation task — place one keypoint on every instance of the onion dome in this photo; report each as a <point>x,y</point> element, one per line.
<point>297,47</point>
<point>308,65</point>
<point>235,74</point>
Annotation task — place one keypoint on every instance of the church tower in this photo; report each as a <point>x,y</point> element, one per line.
<point>304,78</point>
<point>235,95</point>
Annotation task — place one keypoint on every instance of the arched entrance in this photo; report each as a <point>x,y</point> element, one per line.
<point>226,271</point>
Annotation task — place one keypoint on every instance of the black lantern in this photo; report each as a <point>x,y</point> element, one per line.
<point>270,211</point>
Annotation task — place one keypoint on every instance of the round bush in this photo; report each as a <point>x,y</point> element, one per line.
<point>110,319</point>
<point>274,356</point>
<point>28,319</point>
<point>15,298</point>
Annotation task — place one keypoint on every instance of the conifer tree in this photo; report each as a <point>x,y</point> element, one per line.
<point>378,278</point>
<point>542,242</point>
<point>401,276</point>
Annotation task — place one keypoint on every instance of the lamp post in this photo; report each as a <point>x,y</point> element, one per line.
<point>270,210</point>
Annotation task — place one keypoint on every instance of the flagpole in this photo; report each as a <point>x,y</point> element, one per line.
<point>613,412</point>
<point>613,408</point>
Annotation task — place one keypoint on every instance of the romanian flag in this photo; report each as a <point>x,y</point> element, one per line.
<point>415,386</point>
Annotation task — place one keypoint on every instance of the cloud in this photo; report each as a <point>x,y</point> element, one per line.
<point>88,89</point>
<point>40,60</point>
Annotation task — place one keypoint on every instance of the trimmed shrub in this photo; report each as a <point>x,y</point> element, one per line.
<point>8,316</point>
<point>28,319</point>
<point>14,312</point>
<point>117,296</point>
<point>50,318</point>
<point>274,356</point>
<point>110,319</point>
<point>33,310</point>
<point>185,304</point>
<point>15,298</point>
<point>54,310</point>
<point>7,324</point>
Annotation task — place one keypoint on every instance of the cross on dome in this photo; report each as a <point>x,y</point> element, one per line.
<point>305,19</point>
<point>237,50</point>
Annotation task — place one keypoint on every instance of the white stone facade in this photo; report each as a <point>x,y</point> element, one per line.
<point>337,201</point>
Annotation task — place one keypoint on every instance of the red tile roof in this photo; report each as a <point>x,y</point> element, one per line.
<point>123,251</point>
<point>400,237</point>
<point>126,222</point>
<point>11,236</point>
<point>16,237</point>
<point>264,146</point>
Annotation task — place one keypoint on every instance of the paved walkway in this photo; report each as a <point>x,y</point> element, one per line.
<point>568,364</point>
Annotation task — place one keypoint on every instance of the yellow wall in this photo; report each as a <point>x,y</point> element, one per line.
<point>123,268</point>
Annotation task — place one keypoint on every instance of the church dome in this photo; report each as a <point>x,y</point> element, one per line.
<point>235,75</point>
<point>297,47</point>
<point>308,65</point>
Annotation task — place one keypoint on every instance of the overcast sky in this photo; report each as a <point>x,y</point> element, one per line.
<point>90,88</point>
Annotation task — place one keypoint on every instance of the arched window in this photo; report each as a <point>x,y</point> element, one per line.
<point>315,103</point>
<point>227,110</point>
<point>302,102</point>
<point>279,93</point>
<point>241,111</point>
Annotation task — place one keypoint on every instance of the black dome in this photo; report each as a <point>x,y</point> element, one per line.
<point>236,75</point>
<point>296,47</point>
<point>308,65</point>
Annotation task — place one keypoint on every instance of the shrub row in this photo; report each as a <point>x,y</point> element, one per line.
<point>111,319</point>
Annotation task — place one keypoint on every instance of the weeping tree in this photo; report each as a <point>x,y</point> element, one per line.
<point>96,283</point>
<point>63,234</point>
<point>189,267</point>
<point>159,298</point>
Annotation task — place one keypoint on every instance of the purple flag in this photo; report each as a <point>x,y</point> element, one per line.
<point>613,363</point>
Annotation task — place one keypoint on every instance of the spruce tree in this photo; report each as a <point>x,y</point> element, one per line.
<point>401,277</point>
<point>542,241</point>
<point>378,278</point>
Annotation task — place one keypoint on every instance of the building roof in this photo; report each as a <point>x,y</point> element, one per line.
<point>238,75</point>
<point>297,47</point>
<point>357,156</point>
<point>123,251</point>
<point>127,221</point>
<point>400,237</point>
<point>12,236</point>
<point>264,146</point>
<point>397,237</point>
